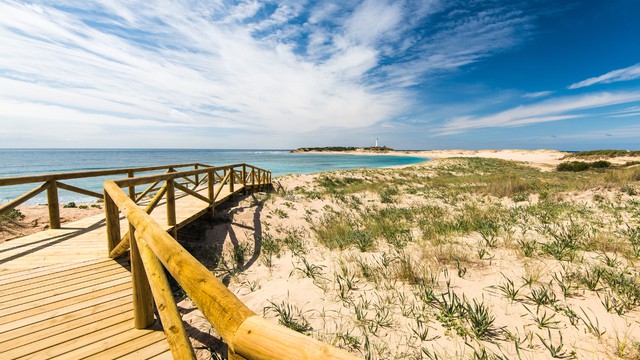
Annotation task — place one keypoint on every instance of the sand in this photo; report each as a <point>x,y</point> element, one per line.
<point>328,290</point>
<point>36,218</point>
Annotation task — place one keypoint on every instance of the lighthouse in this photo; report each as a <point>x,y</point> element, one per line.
<point>376,142</point>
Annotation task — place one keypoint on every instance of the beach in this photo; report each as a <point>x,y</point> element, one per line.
<point>453,257</point>
<point>473,252</point>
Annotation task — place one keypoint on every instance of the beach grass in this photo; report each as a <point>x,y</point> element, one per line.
<point>454,258</point>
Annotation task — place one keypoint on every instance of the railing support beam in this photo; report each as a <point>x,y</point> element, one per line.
<point>142,298</point>
<point>112,221</point>
<point>54,206</point>
<point>132,189</point>
<point>171,208</point>
<point>211,181</point>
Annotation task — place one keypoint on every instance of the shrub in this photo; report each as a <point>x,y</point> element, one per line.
<point>607,153</point>
<point>600,164</point>
<point>576,166</point>
<point>11,215</point>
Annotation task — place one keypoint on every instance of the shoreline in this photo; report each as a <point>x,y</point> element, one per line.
<point>542,159</point>
<point>376,230</point>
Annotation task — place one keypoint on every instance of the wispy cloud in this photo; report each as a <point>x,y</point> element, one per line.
<point>537,94</point>
<point>564,108</point>
<point>619,132</point>
<point>626,74</point>
<point>255,66</point>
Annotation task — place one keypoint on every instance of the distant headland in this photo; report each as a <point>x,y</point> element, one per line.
<point>376,149</point>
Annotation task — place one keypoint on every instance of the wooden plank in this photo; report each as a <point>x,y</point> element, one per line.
<point>158,350</point>
<point>56,292</point>
<point>87,302</point>
<point>85,343</point>
<point>164,356</point>
<point>109,338</point>
<point>145,347</point>
<point>47,289</point>
<point>59,324</point>
<point>53,339</point>
<point>39,307</point>
<point>29,274</point>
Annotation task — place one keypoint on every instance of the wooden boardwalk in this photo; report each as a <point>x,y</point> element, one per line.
<point>62,297</point>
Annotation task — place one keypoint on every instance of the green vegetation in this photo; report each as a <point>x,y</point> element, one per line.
<point>604,153</point>
<point>402,263</point>
<point>13,214</point>
<point>576,166</point>
<point>290,316</point>
<point>344,149</point>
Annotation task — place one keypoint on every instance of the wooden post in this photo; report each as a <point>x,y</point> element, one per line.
<point>171,321</point>
<point>54,206</point>
<point>231,180</point>
<point>253,180</point>
<point>211,180</point>
<point>171,208</point>
<point>244,177</point>
<point>247,335</point>
<point>231,355</point>
<point>142,297</point>
<point>196,176</point>
<point>132,189</point>
<point>112,220</point>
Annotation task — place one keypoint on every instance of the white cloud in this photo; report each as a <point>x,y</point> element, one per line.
<point>101,66</point>
<point>546,111</point>
<point>621,132</point>
<point>537,94</point>
<point>626,74</point>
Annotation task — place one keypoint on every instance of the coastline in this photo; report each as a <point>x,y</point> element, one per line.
<point>543,159</point>
<point>285,249</point>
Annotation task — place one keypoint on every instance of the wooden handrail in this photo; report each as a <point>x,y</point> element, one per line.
<point>51,183</point>
<point>78,190</point>
<point>18,180</point>
<point>141,180</point>
<point>25,197</point>
<point>124,243</point>
<point>120,247</point>
<point>246,334</point>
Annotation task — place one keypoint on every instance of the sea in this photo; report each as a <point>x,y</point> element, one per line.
<point>18,162</point>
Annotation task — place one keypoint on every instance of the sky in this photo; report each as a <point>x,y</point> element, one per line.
<point>430,74</point>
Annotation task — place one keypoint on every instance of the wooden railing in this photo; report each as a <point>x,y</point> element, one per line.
<point>152,250</point>
<point>52,182</point>
<point>217,179</point>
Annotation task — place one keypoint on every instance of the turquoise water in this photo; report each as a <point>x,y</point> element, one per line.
<point>16,162</point>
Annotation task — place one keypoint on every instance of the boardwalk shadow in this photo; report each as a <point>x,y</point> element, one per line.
<point>237,224</point>
<point>236,228</point>
<point>47,242</point>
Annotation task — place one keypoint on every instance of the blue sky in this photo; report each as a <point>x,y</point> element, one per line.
<point>430,74</point>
